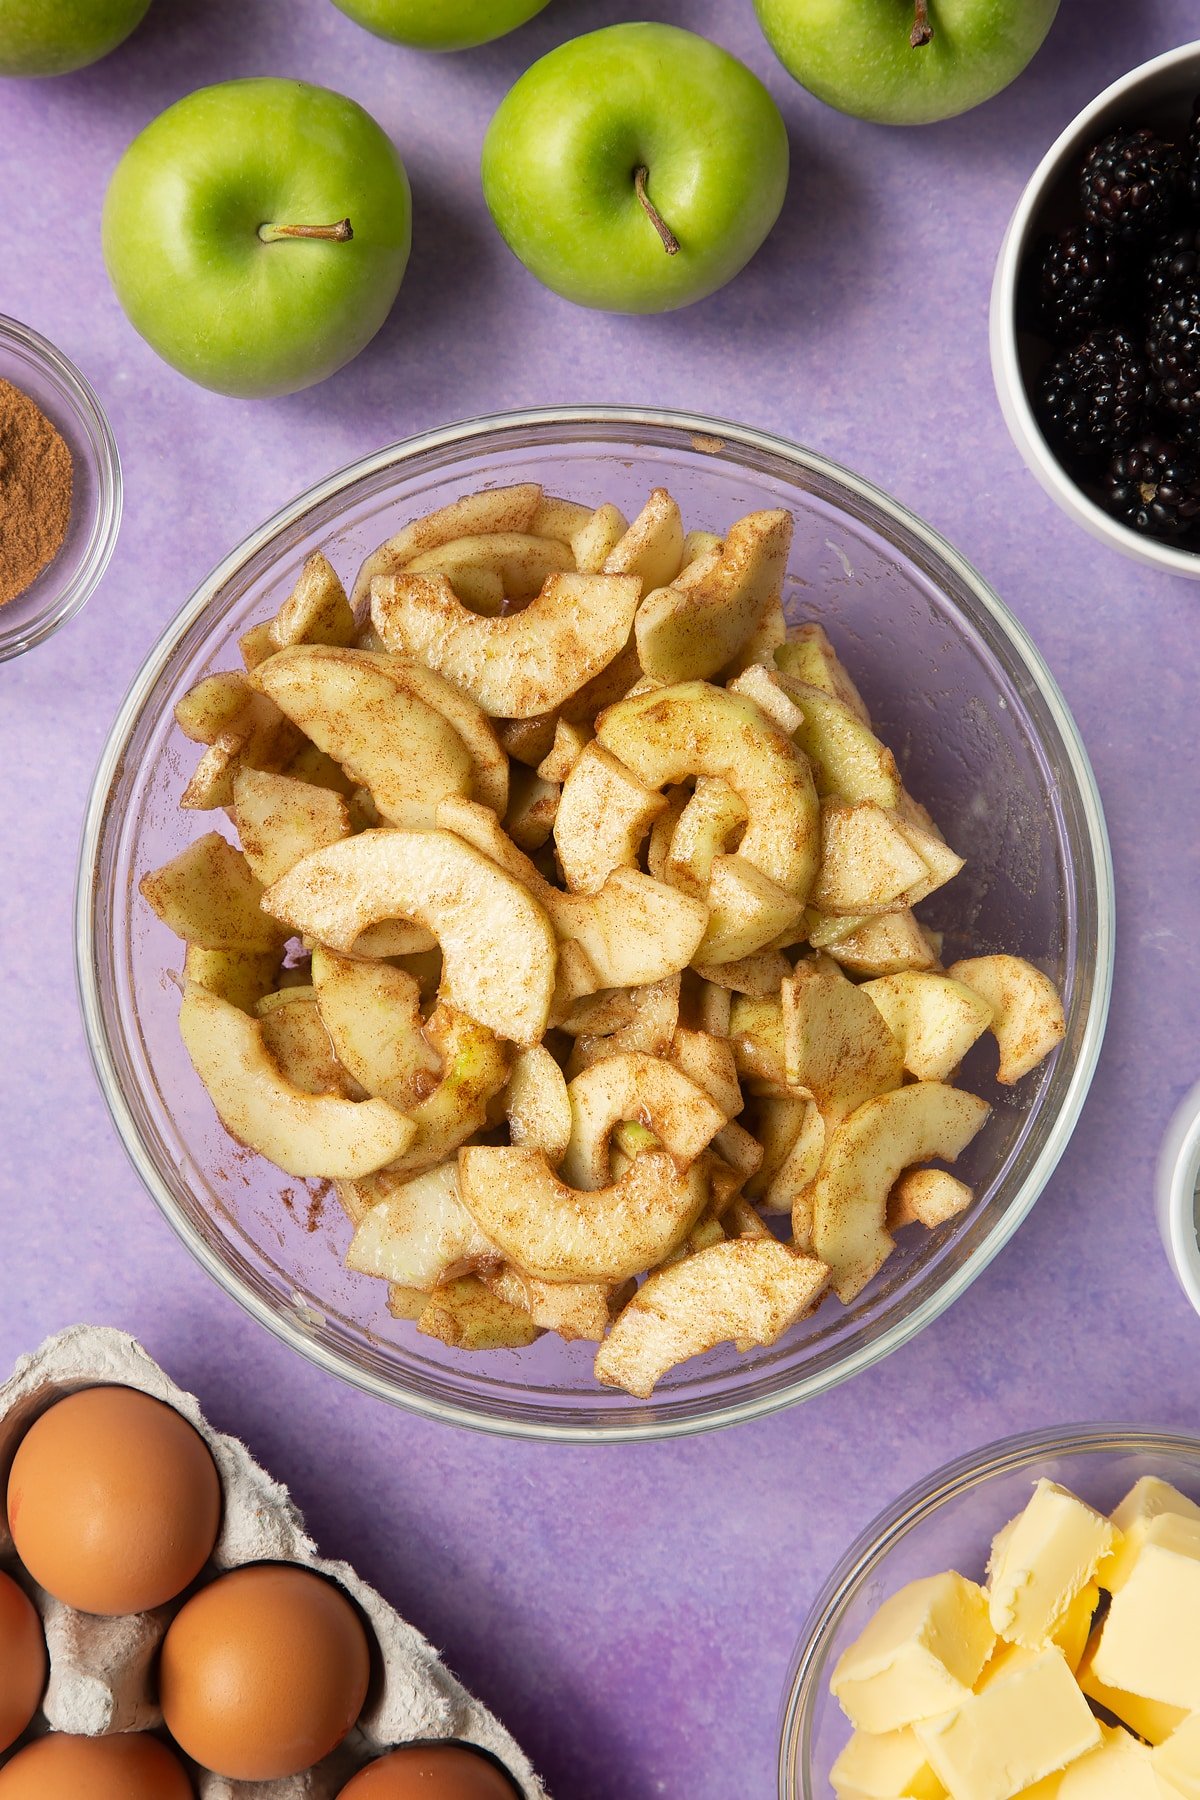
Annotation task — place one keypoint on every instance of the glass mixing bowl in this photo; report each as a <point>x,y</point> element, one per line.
<point>981,733</point>
<point>948,1522</point>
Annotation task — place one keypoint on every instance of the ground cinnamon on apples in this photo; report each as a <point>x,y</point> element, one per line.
<point>35,491</point>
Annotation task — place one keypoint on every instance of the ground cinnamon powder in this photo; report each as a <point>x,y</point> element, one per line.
<point>35,491</point>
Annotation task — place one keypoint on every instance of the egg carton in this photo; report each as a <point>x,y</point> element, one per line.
<point>102,1669</point>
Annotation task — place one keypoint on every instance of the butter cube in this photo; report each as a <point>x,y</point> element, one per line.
<point>1042,1562</point>
<point>1118,1769</point>
<point>1070,1636</point>
<point>1146,1501</point>
<point>890,1767</point>
<point>1177,1761</point>
<point>1149,1718</point>
<point>920,1655</point>
<point>1026,1725</point>
<point>1150,1641</point>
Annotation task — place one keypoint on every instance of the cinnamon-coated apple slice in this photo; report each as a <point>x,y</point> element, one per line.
<point>372,1013</point>
<point>747,912</point>
<point>868,864</point>
<point>491,774</point>
<point>520,665</point>
<point>573,1309</point>
<point>316,611</point>
<point>492,509</point>
<point>475,1066</point>
<point>689,633</point>
<point>240,976</point>
<point>594,542</point>
<point>208,896</point>
<point>558,1233</point>
<point>417,1232</point>
<point>537,1104</point>
<point>934,1019</point>
<point>837,1045</point>
<point>849,762</point>
<point>811,658</point>
<point>711,823</point>
<point>927,1197</point>
<point>603,814</point>
<point>469,1315</point>
<point>1027,1011</point>
<point>864,1159</point>
<point>652,547</point>
<point>304,1134</point>
<point>497,944</point>
<point>747,1290</point>
<point>645,1089</point>
<point>280,819</point>
<point>518,561</point>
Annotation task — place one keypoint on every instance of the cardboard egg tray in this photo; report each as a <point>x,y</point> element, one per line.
<point>102,1670</point>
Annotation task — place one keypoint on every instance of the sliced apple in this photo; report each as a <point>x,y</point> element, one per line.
<point>372,1013</point>
<point>527,741</point>
<point>760,973</point>
<point>468,1315</point>
<point>215,706</point>
<point>662,832</point>
<point>695,729</point>
<point>280,819</point>
<point>304,1134</point>
<point>686,634</point>
<point>776,1124</point>
<point>316,611</point>
<point>604,812</point>
<point>537,1104</point>
<point>384,735</point>
<point>747,911</point>
<point>558,1233</point>
<point>837,1046</point>
<point>491,776</point>
<point>494,509</point>
<point>766,634</point>
<point>318,770</point>
<point>811,658</point>
<point>532,809</point>
<point>208,896</point>
<point>863,1161</point>
<point>519,665</point>
<point>652,547</point>
<point>558,518</point>
<point>712,822</point>
<point>769,694</point>
<point>211,781</point>
<point>756,1035</point>
<point>497,944</point>
<point>257,644</point>
<point>1027,1012</point>
<point>637,1018</point>
<point>240,976</point>
<point>933,1018</point>
<point>742,1152</point>
<point>475,1069</point>
<point>574,1309</point>
<point>415,1230</point>
<point>941,862</point>
<point>570,741</point>
<point>595,541</point>
<point>393,937</point>
<point>867,863</point>
<point>708,1060</point>
<point>790,1188</point>
<point>928,1197</point>
<point>518,561</point>
<point>299,1046</point>
<point>647,1090</point>
<point>714,1004</point>
<point>745,1290</point>
<point>887,944</point>
<point>849,762</point>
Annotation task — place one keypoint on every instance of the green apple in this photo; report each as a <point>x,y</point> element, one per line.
<point>257,232</point>
<point>636,169</point>
<point>441,24</point>
<point>53,37</point>
<point>905,62</point>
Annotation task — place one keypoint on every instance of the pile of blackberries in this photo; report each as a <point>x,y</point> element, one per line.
<point>1119,296</point>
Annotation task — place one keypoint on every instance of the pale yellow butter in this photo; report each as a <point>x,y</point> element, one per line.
<point>1027,1724</point>
<point>889,1767</point>
<point>1118,1769</point>
<point>1177,1760</point>
<point>1146,1500</point>
<point>1042,1561</point>
<point>920,1655</point>
<point>1149,1718</point>
<point>1070,1636</point>
<point>1150,1642</point>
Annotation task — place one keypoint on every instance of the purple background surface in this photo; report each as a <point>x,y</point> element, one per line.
<point>629,1611</point>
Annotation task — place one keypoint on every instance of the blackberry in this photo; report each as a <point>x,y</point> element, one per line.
<point>1174,260</point>
<point>1154,487</point>
<point>1081,283</point>
<point>1133,184</point>
<point>1095,397</point>
<point>1173,346</point>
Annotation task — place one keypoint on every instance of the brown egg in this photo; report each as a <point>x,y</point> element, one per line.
<point>113,1501</point>
<point>59,1767</point>
<point>264,1672</point>
<point>430,1772</point>
<point>22,1661</point>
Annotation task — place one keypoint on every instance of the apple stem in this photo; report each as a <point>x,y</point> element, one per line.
<point>670,242</point>
<point>922,30</point>
<point>341,233</point>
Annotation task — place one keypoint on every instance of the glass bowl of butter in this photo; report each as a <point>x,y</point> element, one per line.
<point>1025,1622</point>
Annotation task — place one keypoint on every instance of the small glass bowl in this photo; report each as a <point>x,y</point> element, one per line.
<point>30,362</point>
<point>981,733</point>
<point>948,1522</point>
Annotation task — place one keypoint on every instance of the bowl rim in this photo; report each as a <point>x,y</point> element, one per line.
<point>630,1427</point>
<point>1003,1456</point>
<point>94,425</point>
<point>1007,375</point>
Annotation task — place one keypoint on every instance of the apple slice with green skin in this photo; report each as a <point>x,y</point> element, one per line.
<point>933,1018</point>
<point>471,515</point>
<point>558,1233</point>
<point>497,944</point>
<point>475,1067</point>
<point>640,1088</point>
<point>849,762</point>
<point>280,819</point>
<point>688,634</point>
<point>258,274</point>
<point>447,25</point>
<point>1027,1013</point>
<point>523,664</point>
<point>372,1013</point>
<point>240,976</point>
<point>867,863</point>
<point>808,656</point>
<point>652,547</point>
<point>468,1315</point>
<point>303,1134</point>
<point>615,198</point>
<point>316,611</point>
<point>604,812</point>
<point>208,896</point>
<point>417,1232</point>
<point>864,1159</point>
<point>900,63</point>
<point>68,35</point>
<point>378,728</point>
<point>692,728</point>
<point>837,1046</point>
<point>747,1290</point>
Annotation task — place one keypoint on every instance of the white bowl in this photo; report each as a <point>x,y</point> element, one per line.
<point>1159,93</point>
